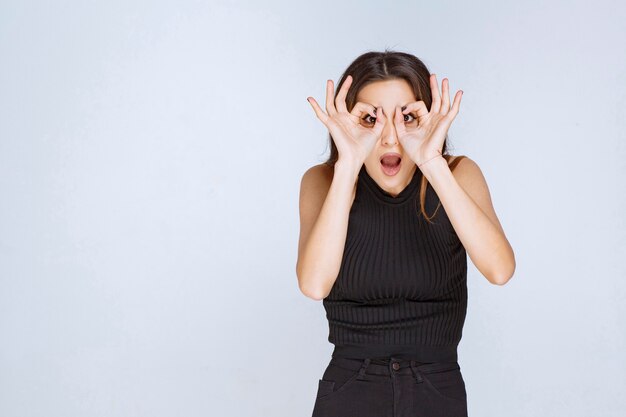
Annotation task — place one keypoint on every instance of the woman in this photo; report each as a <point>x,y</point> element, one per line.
<point>386,224</point>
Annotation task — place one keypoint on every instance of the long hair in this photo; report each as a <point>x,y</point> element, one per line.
<point>390,65</point>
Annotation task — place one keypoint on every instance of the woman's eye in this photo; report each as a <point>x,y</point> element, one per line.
<point>369,119</point>
<point>365,119</point>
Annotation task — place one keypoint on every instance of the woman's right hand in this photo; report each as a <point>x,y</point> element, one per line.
<point>354,141</point>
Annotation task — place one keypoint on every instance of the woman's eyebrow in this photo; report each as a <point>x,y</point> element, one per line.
<point>376,106</point>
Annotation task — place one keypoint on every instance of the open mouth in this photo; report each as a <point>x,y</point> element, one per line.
<point>390,163</point>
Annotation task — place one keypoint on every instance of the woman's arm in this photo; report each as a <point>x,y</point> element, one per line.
<point>326,197</point>
<point>466,199</point>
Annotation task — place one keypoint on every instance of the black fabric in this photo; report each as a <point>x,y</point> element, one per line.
<point>402,287</point>
<point>390,388</point>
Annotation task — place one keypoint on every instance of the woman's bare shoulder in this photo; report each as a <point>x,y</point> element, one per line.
<point>455,160</point>
<point>318,176</point>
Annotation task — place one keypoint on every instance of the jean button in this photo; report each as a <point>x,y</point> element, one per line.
<point>396,366</point>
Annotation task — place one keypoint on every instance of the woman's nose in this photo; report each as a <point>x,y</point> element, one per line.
<point>390,137</point>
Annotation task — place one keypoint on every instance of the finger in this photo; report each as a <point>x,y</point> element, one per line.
<point>361,108</point>
<point>434,88</point>
<point>330,99</point>
<point>398,121</point>
<point>416,106</point>
<point>381,120</point>
<point>445,102</point>
<point>318,110</point>
<point>456,104</point>
<point>340,100</point>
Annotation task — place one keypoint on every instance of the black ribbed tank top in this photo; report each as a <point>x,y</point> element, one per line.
<point>402,286</point>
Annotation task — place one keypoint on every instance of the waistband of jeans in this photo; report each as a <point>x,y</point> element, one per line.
<point>386,366</point>
<point>418,353</point>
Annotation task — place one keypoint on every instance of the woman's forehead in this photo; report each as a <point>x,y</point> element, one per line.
<point>389,93</point>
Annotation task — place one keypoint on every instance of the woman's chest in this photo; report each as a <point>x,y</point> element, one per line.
<point>395,253</point>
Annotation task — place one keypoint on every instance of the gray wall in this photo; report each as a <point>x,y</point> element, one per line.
<point>150,163</point>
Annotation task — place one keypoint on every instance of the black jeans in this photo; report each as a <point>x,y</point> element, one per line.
<point>390,387</point>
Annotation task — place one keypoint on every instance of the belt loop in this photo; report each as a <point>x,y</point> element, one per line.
<point>366,363</point>
<point>416,372</point>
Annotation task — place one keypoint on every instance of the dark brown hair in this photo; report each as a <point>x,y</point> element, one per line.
<point>390,65</point>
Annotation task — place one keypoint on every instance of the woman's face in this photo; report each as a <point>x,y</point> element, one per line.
<point>389,94</point>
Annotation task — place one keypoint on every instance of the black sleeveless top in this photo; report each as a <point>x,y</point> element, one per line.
<point>402,287</point>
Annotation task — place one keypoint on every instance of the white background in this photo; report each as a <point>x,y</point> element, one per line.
<point>150,163</point>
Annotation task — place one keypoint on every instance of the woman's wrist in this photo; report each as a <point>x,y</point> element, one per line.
<point>348,167</point>
<point>433,166</point>
<point>427,159</point>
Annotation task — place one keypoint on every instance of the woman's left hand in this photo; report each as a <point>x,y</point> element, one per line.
<point>425,141</point>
